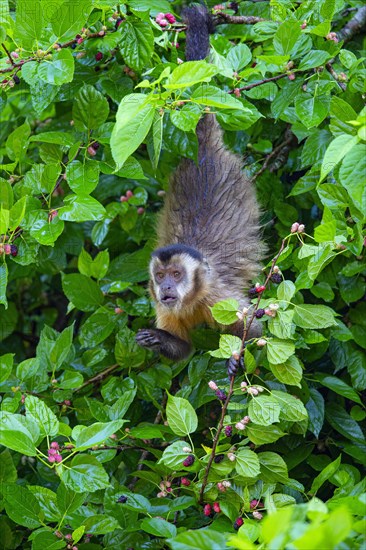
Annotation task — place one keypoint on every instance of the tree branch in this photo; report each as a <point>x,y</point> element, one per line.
<point>354,25</point>
<point>280,152</point>
<point>98,377</point>
<point>259,83</point>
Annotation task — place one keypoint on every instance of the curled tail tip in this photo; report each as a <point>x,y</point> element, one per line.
<point>199,27</point>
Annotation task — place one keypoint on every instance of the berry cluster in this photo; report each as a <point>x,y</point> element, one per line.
<point>129,194</point>
<point>9,249</point>
<point>53,453</point>
<point>209,510</point>
<point>297,227</point>
<point>165,19</point>
<point>241,425</point>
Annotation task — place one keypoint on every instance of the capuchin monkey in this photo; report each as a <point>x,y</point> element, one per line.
<point>208,232</point>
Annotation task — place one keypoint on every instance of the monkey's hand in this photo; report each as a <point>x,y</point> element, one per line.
<point>163,342</point>
<point>234,363</point>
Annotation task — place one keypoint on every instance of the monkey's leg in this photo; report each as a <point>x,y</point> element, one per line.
<point>163,342</point>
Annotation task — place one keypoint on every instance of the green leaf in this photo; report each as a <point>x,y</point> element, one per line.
<point>81,209</point>
<point>312,110</point>
<point>327,473</point>
<point>260,435</point>
<point>96,433</point>
<point>187,118</point>
<point>174,455</point>
<point>158,527</point>
<point>311,316</point>
<point>84,293</point>
<point>59,70</point>
<point>67,22</point>
<point>42,415</point>
<point>90,108</point>
<point>137,43</point>
<point>239,56</point>
<point>97,327</point>
<point>68,501</point>
<point>215,97</point>
<point>3,284</point>
<point>315,408</point>
<point>289,372</point>
<point>273,468</point>
<point>190,73</point>
<point>182,417</point>
<point>96,267</point>
<point>335,152</point>
<point>16,435</point>
<point>286,37</point>
<point>338,386</point>
<point>343,423</point>
<point>199,540</point>
<point>228,345</point>
<point>352,175</point>
<point>85,474</point>
<point>278,351</point>
<point>224,312</point>
<point>247,463</point>
<point>21,506</point>
<point>66,139</point>
<point>6,194</point>
<point>286,291</point>
<point>29,23</point>
<point>292,409</point>
<point>82,177</point>
<point>315,58</point>
<point>46,231</point>
<point>6,366</point>
<point>133,121</point>
<point>47,540</point>
<point>264,410</point>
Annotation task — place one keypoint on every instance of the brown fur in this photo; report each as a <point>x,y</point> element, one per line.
<point>212,207</point>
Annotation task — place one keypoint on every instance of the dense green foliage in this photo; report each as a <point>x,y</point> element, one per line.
<point>95,430</point>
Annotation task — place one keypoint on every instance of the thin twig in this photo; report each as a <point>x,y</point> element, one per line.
<point>98,377</point>
<point>259,83</point>
<point>7,53</point>
<point>239,19</point>
<point>276,151</point>
<point>330,69</point>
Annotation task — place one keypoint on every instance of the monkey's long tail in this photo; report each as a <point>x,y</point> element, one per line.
<point>199,27</point>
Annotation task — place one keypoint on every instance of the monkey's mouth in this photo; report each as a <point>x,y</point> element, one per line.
<point>169,300</point>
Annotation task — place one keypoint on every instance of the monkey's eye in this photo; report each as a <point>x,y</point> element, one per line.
<point>159,276</point>
<point>176,274</point>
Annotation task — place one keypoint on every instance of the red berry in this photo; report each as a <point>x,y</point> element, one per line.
<point>98,56</point>
<point>185,481</point>
<point>260,288</point>
<point>129,193</point>
<point>216,507</point>
<point>140,211</point>
<point>207,510</point>
<point>80,41</point>
<point>170,17</point>
<point>238,523</point>
<point>228,431</point>
<point>189,461</point>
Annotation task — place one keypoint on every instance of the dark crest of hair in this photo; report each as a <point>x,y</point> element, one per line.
<point>164,254</point>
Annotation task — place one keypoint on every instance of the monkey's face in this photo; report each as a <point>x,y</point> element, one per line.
<point>169,283</point>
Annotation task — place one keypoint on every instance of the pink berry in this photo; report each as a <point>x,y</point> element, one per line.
<point>118,310</point>
<point>80,40</point>
<point>163,23</point>
<point>7,248</point>
<point>216,507</point>
<point>140,211</point>
<point>67,402</point>
<point>253,503</point>
<point>54,445</point>
<point>291,76</point>
<point>52,452</point>
<point>58,458</point>
<point>92,152</point>
<point>51,459</point>
<point>129,193</point>
<point>68,536</point>
<point>123,198</point>
<point>236,92</point>
<point>185,481</point>
<point>207,510</point>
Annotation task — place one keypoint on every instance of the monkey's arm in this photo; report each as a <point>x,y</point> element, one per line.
<point>164,342</point>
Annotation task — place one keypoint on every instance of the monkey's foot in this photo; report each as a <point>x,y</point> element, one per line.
<point>148,339</point>
<point>233,364</point>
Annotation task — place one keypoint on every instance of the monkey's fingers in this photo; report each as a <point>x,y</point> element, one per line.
<point>233,364</point>
<point>148,339</point>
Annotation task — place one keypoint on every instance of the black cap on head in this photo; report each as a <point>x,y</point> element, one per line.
<point>164,254</point>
